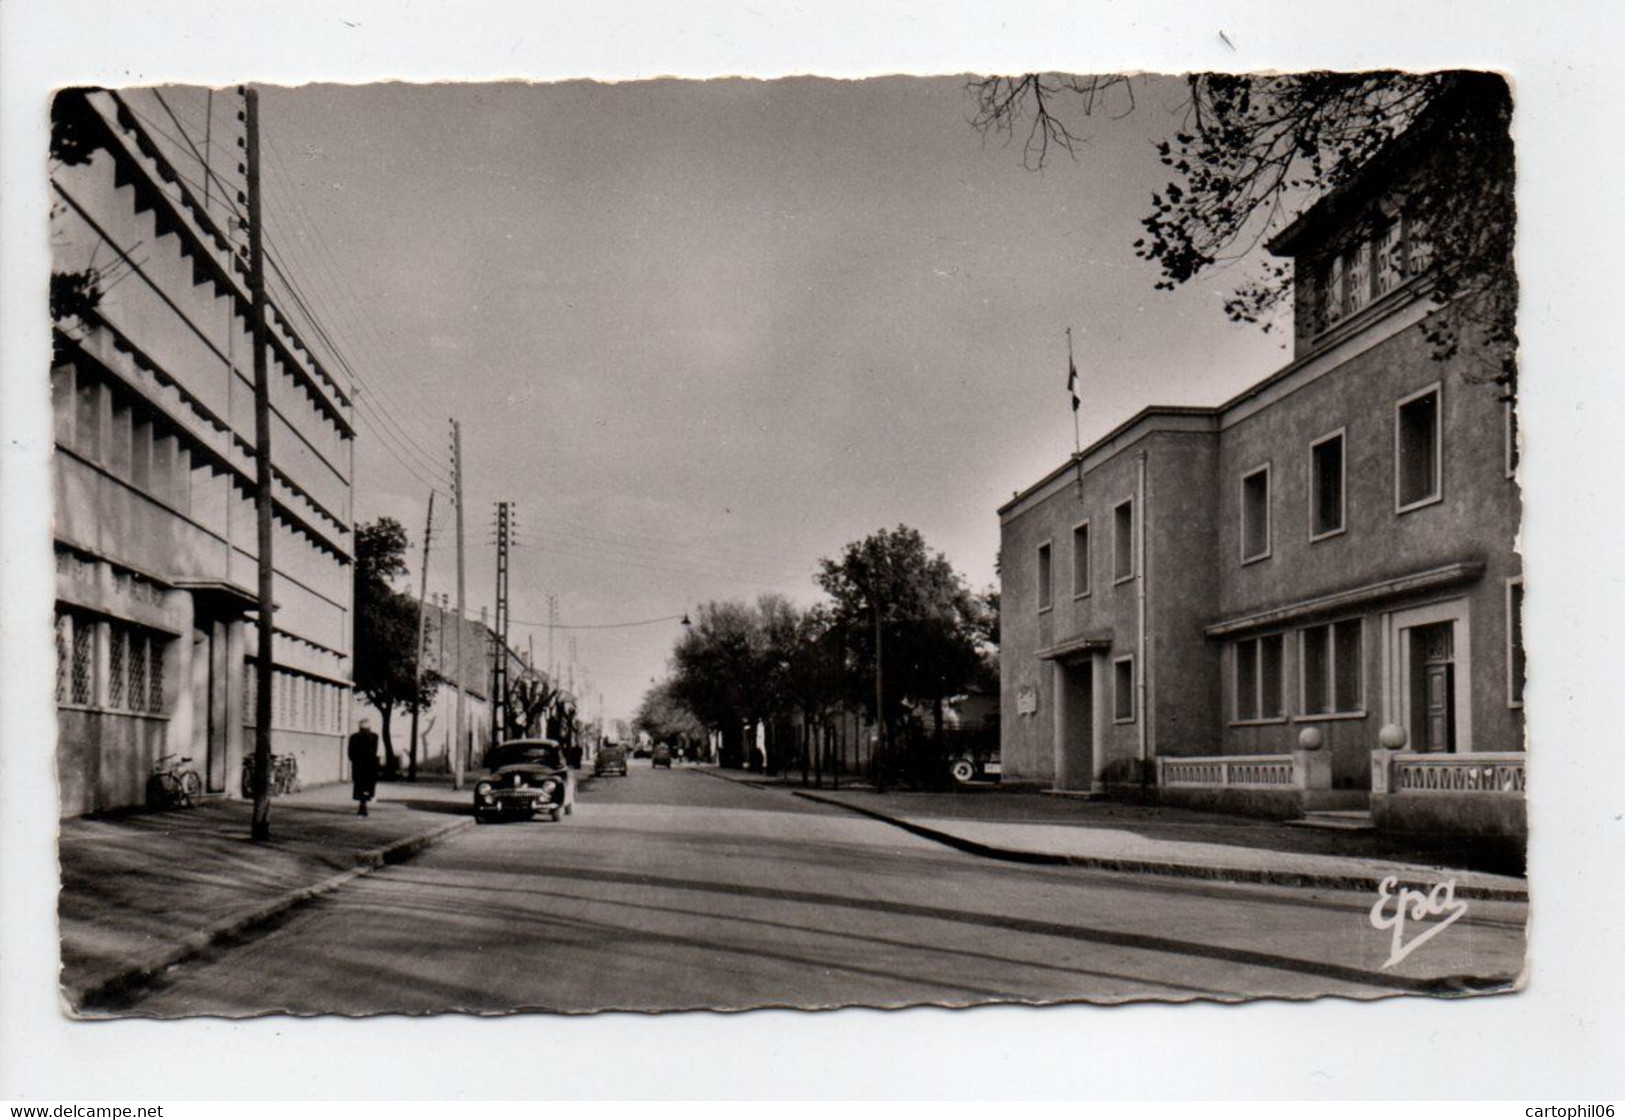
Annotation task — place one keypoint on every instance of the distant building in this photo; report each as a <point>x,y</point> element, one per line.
<point>154,477</point>
<point>1227,606</point>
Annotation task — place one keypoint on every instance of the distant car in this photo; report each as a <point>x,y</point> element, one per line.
<point>528,776</point>
<point>611,759</point>
<point>662,756</point>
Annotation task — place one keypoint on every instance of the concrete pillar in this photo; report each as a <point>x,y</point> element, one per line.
<point>1100,721</point>
<point>1058,728</point>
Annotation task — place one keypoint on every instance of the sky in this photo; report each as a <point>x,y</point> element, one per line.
<point>703,334</point>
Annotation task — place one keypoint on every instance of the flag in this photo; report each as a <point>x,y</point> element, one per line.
<point>1072,381</point>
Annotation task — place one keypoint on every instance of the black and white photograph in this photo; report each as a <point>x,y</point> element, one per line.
<point>577,550</point>
<point>645,511</point>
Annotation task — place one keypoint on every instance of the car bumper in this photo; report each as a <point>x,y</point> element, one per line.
<point>517,801</point>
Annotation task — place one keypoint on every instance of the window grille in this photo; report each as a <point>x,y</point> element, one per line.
<point>84,655</point>
<point>64,655</point>
<point>118,659</point>
<point>155,675</point>
<point>137,693</point>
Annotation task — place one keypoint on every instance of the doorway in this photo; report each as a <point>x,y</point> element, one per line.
<point>1433,688</point>
<point>207,739</point>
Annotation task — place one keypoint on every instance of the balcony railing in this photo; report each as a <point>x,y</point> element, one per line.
<point>1407,773</point>
<point>1250,771</point>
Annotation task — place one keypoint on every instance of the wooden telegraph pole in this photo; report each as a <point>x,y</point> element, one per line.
<point>461,744</point>
<point>261,826</point>
<point>417,653</point>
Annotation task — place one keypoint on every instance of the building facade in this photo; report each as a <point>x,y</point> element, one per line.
<point>1307,598</point>
<point>154,473</point>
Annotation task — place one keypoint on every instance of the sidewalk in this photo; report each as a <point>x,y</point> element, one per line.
<point>145,890</point>
<point>1028,827</point>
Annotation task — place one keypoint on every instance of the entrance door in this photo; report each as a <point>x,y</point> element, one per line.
<point>1075,720</point>
<point>1433,688</point>
<point>206,745</point>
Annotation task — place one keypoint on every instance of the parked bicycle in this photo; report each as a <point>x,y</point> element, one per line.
<point>284,775</point>
<point>173,784</point>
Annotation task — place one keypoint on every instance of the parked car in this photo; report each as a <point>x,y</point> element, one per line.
<point>528,776</point>
<point>969,768</point>
<point>611,759</point>
<point>662,756</point>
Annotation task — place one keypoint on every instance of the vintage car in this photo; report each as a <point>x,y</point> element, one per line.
<point>528,776</point>
<point>661,757</point>
<point>610,759</point>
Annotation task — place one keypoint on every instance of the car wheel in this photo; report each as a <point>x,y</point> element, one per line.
<point>554,815</point>
<point>570,808</point>
<point>963,770</point>
<point>482,818</point>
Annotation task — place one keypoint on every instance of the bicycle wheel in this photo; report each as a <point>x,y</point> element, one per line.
<point>163,791</point>
<point>191,786</point>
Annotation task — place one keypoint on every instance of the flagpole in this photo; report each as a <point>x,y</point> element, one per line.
<point>1072,388</point>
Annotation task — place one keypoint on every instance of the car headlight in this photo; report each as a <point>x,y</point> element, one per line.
<point>483,789</point>
<point>549,786</point>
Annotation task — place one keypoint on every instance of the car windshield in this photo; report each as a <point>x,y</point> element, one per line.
<point>536,754</point>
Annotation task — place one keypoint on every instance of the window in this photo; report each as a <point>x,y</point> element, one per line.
<point>1369,269</point>
<point>1417,450</point>
<point>1045,581</point>
<point>1511,408</point>
<point>1326,509</point>
<point>1123,541</point>
<point>1257,690</point>
<point>1516,665</point>
<point>84,661</point>
<point>1080,560</point>
<point>1389,258</point>
<point>1330,667</point>
<point>64,657</point>
<point>1255,514</point>
<point>87,423</point>
<point>118,657</point>
<point>1123,690</point>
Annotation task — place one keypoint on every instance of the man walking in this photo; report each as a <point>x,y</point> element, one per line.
<point>364,766</point>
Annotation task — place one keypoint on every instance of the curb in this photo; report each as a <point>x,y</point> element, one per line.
<point>1354,881</point>
<point>367,861</point>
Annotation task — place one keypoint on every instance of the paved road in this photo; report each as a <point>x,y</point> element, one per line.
<point>678,889</point>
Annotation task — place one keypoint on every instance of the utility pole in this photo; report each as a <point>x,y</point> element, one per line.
<point>461,732</point>
<point>417,655</point>
<point>499,671</point>
<point>260,828</point>
<point>880,703</point>
<point>552,621</point>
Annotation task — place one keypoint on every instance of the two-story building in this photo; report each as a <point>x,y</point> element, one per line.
<point>154,471</point>
<point>1306,599</point>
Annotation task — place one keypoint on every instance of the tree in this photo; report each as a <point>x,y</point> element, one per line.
<point>386,630</point>
<point>1254,148</point>
<point>665,720</point>
<point>529,696</point>
<point>715,672</point>
<point>890,589</point>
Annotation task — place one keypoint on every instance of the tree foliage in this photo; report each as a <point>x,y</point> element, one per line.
<point>1253,149</point>
<point>386,628</point>
<point>664,719</point>
<point>928,618</point>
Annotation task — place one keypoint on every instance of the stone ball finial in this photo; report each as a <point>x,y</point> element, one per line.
<point>1392,736</point>
<point>1310,739</point>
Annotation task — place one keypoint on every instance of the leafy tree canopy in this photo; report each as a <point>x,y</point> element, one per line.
<point>386,627</point>
<point>1253,149</point>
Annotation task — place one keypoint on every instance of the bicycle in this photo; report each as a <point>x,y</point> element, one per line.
<point>284,775</point>
<point>173,784</point>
